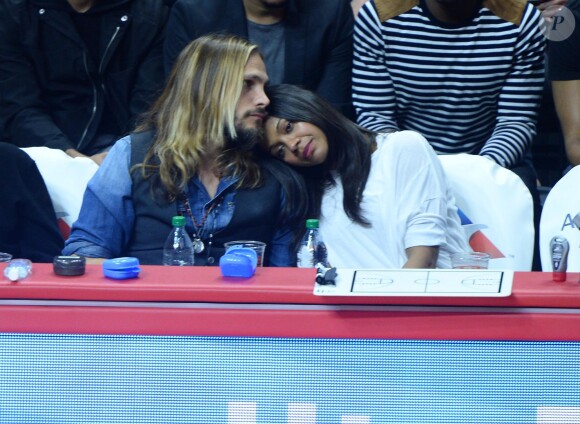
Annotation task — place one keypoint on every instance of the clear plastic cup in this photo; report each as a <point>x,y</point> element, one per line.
<point>470,260</point>
<point>258,246</point>
<point>4,259</point>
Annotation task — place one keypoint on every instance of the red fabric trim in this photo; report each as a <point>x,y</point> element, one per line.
<point>284,323</point>
<point>274,286</point>
<point>269,285</point>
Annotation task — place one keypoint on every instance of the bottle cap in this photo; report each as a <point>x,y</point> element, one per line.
<point>178,221</point>
<point>68,265</point>
<point>121,268</point>
<point>13,274</point>
<point>311,224</point>
<point>18,269</point>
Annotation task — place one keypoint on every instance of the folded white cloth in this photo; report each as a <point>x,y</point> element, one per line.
<point>65,177</point>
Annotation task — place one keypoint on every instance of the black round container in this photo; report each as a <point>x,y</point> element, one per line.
<point>68,265</point>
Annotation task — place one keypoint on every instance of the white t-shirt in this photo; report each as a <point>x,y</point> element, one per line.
<point>408,202</point>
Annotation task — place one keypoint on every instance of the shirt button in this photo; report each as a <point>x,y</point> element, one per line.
<point>41,12</point>
<point>210,260</point>
<point>124,18</point>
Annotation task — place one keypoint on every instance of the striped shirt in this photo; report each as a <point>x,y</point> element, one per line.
<point>473,88</point>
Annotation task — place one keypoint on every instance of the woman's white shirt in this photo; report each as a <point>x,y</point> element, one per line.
<point>408,202</point>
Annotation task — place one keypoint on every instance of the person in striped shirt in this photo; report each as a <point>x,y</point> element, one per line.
<point>466,74</point>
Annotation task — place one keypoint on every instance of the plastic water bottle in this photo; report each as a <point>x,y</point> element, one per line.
<point>178,249</point>
<point>18,269</point>
<point>312,250</point>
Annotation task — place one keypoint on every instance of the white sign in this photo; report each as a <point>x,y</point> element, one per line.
<point>419,282</point>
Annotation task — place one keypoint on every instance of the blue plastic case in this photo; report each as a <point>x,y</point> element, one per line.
<point>121,268</point>
<point>239,262</point>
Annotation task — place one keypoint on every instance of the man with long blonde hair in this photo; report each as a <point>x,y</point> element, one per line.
<point>192,155</point>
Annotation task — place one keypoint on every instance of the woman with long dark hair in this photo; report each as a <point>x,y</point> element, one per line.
<point>383,199</point>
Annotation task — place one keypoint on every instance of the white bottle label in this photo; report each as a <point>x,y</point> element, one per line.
<point>305,257</point>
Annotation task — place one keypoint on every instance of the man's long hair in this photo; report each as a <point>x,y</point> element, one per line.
<point>195,115</point>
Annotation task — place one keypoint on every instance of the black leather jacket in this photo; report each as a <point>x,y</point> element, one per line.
<point>53,93</point>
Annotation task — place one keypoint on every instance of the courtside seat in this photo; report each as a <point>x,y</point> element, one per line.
<point>66,179</point>
<point>560,207</point>
<point>496,210</point>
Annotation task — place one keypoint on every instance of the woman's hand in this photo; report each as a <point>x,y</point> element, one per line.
<point>421,257</point>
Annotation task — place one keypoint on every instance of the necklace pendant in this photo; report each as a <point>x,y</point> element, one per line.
<point>198,245</point>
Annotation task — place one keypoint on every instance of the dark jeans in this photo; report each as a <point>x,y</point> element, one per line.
<point>28,225</point>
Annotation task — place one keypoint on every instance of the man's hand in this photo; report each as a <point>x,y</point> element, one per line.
<point>550,8</point>
<point>98,158</point>
<point>74,153</point>
<point>95,261</point>
<point>356,5</point>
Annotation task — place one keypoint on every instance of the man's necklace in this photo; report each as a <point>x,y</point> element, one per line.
<point>198,245</point>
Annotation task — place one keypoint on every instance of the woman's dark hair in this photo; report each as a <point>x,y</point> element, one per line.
<point>296,208</point>
<point>349,146</point>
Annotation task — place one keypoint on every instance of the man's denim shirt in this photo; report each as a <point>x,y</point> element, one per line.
<point>105,223</point>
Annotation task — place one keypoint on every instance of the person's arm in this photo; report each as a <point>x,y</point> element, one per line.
<point>336,82</point>
<point>520,96</point>
<point>281,245</point>
<point>105,222</point>
<point>25,116</point>
<point>28,223</point>
<point>281,248</point>
<point>179,32</point>
<point>356,5</point>
<point>564,71</point>
<point>421,257</point>
<point>98,158</point>
<point>567,101</point>
<point>150,76</point>
<point>410,165</point>
<point>373,92</point>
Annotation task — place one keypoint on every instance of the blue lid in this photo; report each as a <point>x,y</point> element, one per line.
<point>121,268</point>
<point>239,262</point>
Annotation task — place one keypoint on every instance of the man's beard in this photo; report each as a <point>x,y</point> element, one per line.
<point>246,138</point>
<point>268,4</point>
